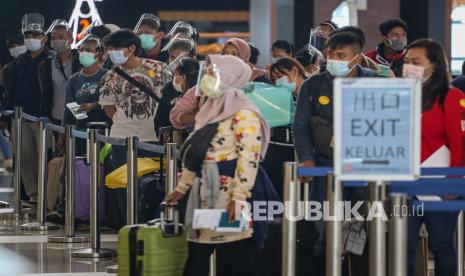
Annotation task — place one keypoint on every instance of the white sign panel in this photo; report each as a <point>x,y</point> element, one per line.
<point>377,129</point>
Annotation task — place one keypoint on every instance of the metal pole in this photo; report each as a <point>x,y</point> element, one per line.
<point>334,229</point>
<point>132,194</point>
<point>289,227</point>
<point>17,122</point>
<point>398,235</point>
<point>41,185</point>
<point>460,245</point>
<point>94,251</point>
<point>377,232</point>
<point>70,156</point>
<point>171,175</point>
<point>213,264</point>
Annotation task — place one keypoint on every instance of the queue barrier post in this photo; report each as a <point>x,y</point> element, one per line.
<point>17,138</point>
<point>334,228</point>
<point>171,175</point>
<point>212,264</point>
<point>95,251</point>
<point>132,193</point>
<point>377,231</point>
<point>398,235</point>
<point>41,185</point>
<point>70,156</point>
<point>291,189</point>
<point>460,245</point>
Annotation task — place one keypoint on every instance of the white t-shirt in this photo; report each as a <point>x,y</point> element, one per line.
<point>135,110</point>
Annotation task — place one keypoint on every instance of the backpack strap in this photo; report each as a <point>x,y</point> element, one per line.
<point>137,84</point>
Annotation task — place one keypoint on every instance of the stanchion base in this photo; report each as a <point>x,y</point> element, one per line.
<point>68,239</point>
<point>112,269</point>
<point>36,226</point>
<point>6,229</point>
<point>94,253</point>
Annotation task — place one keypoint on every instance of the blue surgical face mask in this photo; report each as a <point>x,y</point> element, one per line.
<point>33,44</point>
<point>118,57</point>
<point>284,82</point>
<point>338,68</point>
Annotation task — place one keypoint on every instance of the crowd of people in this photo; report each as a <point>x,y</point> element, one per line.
<point>142,80</point>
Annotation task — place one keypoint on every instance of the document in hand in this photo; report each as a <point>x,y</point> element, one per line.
<point>439,159</point>
<point>76,111</point>
<point>217,220</point>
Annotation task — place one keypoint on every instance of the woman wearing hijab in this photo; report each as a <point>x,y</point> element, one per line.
<point>228,173</point>
<point>240,48</point>
<point>183,113</point>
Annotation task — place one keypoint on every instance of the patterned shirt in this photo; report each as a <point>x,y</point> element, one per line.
<point>237,138</point>
<point>135,110</point>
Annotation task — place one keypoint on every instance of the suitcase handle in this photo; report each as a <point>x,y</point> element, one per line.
<point>169,229</point>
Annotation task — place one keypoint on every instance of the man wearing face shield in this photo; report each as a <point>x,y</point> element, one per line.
<point>321,33</point>
<point>24,90</point>
<point>149,31</point>
<point>56,70</point>
<point>391,50</point>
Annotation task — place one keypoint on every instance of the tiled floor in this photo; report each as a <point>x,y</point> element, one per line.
<point>31,254</point>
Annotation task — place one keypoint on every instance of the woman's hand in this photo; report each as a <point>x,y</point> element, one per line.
<point>231,208</point>
<point>173,198</point>
<point>307,164</point>
<point>87,107</point>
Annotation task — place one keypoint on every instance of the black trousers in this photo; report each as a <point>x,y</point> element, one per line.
<point>241,258</point>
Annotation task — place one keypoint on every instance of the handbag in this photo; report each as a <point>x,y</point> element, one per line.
<point>322,136</point>
<point>322,129</point>
<point>276,104</point>
<point>194,149</point>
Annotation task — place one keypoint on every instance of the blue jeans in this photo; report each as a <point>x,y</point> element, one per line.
<point>6,147</point>
<point>441,228</point>
<point>118,159</point>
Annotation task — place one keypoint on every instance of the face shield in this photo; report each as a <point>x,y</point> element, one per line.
<point>58,23</point>
<point>181,30</point>
<point>32,22</point>
<point>210,82</point>
<point>169,70</point>
<point>150,19</point>
<point>182,44</point>
<point>317,39</point>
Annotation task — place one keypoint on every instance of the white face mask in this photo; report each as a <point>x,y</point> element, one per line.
<point>117,57</point>
<point>208,85</point>
<point>17,51</point>
<point>33,44</point>
<point>177,87</point>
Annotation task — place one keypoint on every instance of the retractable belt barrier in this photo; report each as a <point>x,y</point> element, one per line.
<point>433,181</point>
<point>169,151</point>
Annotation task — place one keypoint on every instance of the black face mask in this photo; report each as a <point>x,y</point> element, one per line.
<point>318,42</point>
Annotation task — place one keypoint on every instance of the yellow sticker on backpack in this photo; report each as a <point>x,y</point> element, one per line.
<point>323,100</point>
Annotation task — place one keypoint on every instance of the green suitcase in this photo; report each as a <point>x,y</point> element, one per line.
<point>153,249</point>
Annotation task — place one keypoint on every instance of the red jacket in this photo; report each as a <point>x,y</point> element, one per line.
<point>445,126</point>
<point>379,56</point>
